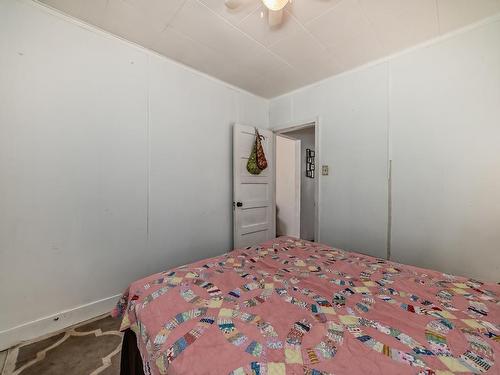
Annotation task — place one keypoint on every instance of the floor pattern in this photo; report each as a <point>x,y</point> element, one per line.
<point>91,348</point>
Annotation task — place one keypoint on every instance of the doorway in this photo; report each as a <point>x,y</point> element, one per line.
<point>297,178</point>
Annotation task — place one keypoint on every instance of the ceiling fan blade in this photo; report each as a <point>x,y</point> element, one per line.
<point>232,4</point>
<point>275,17</point>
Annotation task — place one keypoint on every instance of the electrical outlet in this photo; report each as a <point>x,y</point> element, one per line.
<point>324,170</point>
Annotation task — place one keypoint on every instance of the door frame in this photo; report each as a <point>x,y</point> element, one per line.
<point>298,125</point>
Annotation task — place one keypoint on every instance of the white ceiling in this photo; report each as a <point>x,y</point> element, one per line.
<point>317,39</point>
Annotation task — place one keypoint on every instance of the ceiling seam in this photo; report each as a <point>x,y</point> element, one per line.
<point>174,15</point>
<point>258,7</point>
<point>244,33</point>
<point>261,8</point>
<point>304,28</point>
<point>314,37</point>
<point>301,25</point>
<point>322,14</point>
<point>372,27</point>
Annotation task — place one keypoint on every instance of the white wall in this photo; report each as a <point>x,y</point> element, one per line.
<point>435,112</point>
<point>307,184</point>
<point>288,186</point>
<point>114,163</point>
<point>445,120</point>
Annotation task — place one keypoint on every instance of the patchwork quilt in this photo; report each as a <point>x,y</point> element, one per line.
<point>290,306</point>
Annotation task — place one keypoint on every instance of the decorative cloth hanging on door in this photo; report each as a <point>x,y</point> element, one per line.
<point>261,157</point>
<point>257,157</point>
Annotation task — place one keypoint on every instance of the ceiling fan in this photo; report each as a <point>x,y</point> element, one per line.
<point>274,7</point>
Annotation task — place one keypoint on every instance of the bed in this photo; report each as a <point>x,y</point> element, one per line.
<point>290,306</point>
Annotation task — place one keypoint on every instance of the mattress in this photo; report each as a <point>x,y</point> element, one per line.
<point>290,306</point>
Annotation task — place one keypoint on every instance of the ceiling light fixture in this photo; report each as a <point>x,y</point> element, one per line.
<point>275,5</point>
<point>275,9</point>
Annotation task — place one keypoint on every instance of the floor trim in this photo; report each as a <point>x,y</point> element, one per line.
<point>56,322</point>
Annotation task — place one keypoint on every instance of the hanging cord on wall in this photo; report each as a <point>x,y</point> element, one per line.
<point>261,137</point>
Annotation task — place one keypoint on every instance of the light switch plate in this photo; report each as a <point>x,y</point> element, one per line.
<point>324,170</point>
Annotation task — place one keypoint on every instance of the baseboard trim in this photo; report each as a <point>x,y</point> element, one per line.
<point>56,322</point>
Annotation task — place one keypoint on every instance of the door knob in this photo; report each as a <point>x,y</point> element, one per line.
<point>239,204</point>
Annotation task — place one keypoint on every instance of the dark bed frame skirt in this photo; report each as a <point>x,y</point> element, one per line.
<point>131,361</point>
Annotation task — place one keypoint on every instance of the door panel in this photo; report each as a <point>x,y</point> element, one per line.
<point>254,220</point>
<point>288,186</point>
<point>256,192</point>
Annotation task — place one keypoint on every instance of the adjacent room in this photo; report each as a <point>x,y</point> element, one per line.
<point>249,187</point>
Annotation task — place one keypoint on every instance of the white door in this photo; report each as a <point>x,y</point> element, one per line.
<point>253,195</point>
<point>288,168</point>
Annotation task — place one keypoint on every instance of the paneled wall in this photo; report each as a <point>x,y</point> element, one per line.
<point>435,112</point>
<point>445,138</point>
<point>114,163</point>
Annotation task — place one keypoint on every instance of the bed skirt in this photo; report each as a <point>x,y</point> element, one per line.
<point>131,361</point>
